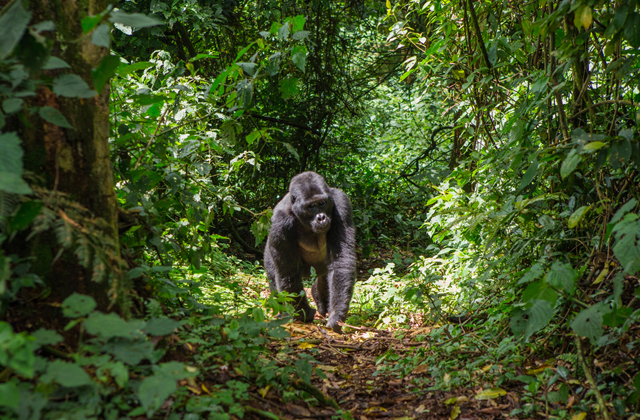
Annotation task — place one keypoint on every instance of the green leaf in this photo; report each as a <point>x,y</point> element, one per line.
<point>105,70</point>
<point>13,23</point>
<point>154,390</point>
<point>297,23</point>
<point>253,136</point>
<point>588,323</point>
<point>9,394</point>
<point>102,36</point>
<point>303,369</point>
<point>55,63</point>
<point>26,213</point>
<point>135,20</point>
<point>627,246</point>
<point>299,57</point>
<point>53,116</point>
<point>46,337</point>
<point>593,146</point>
<point>626,207</point>
<point>12,105</point>
<point>620,153</point>
<point>111,325</point>
<point>131,352</point>
<point>582,16</point>
<point>123,70</point>
<point>175,371</point>
<point>288,87</point>
<point>258,314</point>
<point>66,374</point>
<point>539,290</point>
<point>120,373</point>
<point>248,68</point>
<point>562,276</point>
<point>569,164</point>
<point>13,183</point>
<point>529,175</point>
<point>161,326</point>
<point>283,32</point>
<point>546,221</point>
<point>72,86</point>
<point>540,313</point>
<point>292,151</point>
<point>631,30</point>
<point>78,305</point>
<point>576,216</point>
<point>90,22</point>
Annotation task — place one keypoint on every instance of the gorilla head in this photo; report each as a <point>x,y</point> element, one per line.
<point>311,202</point>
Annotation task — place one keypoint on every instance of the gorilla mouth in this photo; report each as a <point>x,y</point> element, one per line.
<point>321,227</point>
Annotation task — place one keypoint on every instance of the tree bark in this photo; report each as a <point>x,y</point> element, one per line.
<point>75,162</point>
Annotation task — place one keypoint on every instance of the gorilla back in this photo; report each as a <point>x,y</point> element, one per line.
<point>312,226</point>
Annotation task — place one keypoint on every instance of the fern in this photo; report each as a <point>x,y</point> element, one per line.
<point>8,203</point>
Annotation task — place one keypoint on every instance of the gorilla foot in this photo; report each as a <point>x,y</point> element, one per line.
<point>305,315</point>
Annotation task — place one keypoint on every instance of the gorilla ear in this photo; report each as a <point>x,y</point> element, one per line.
<point>293,198</point>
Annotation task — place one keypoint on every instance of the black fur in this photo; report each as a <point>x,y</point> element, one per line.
<point>312,226</point>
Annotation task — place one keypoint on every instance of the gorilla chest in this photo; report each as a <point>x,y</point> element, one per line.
<point>313,250</point>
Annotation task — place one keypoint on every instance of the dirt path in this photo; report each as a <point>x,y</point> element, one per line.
<point>369,390</point>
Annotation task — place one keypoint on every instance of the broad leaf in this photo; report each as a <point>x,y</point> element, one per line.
<point>161,326</point>
<point>13,23</point>
<point>569,164</point>
<point>529,175</point>
<point>628,206</point>
<point>66,374</point>
<point>105,70</point>
<point>540,313</point>
<point>576,216</point>
<point>562,277</point>
<point>53,116</point>
<point>588,323</point>
<point>111,325</point>
<point>78,305</point>
<point>13,183</point>
<point>102,36</point>
<point>72,86</point>
<point>154,390</point>
<point>627,246</point>
<point>631,29</point>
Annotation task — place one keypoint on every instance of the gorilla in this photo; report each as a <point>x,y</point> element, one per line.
<point>312,226</point>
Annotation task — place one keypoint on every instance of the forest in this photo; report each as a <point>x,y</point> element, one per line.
<point>490,153</point>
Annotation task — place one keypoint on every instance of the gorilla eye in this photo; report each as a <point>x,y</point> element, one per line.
<point>322,203</point>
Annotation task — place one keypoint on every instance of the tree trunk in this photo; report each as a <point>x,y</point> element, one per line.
<point>72,165</point>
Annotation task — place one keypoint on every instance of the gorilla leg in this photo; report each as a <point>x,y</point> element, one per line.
<point>340,293</point>
<point>304,312</point>
<point>320,292</point>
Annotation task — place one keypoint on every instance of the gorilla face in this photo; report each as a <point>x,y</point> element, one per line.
<point>311,202</point>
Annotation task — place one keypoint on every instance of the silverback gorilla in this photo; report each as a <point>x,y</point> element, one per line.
<point>312,226</point>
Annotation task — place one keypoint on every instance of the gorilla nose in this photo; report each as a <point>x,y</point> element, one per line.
<point>321,217</point>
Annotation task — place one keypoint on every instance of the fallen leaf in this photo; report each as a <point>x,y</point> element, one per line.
<point>298,410</point>
<point>305,345</point>
<point>455,412</point>
<point>421,369</point>
<point>264,391</point>
<point>490,393</point>
<point>579,416</point>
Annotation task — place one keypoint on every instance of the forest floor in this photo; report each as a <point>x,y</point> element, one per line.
<point>355,382</point>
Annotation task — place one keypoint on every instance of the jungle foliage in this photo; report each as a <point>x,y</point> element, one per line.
<point>490,149</point>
